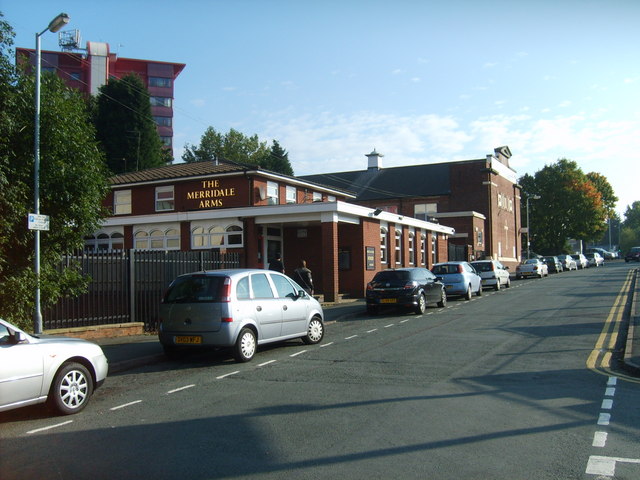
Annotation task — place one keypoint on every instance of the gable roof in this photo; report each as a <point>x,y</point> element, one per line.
<point>378,184</point>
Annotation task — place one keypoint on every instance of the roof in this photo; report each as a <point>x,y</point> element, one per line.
<point>373,184</point>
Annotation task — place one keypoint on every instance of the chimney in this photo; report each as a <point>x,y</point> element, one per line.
<point>375,160</point>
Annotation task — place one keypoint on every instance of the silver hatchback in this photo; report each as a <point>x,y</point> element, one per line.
<point>237,308</point>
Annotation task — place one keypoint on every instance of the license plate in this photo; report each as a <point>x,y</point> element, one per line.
<point>388,300</point>
<point>192,339</point>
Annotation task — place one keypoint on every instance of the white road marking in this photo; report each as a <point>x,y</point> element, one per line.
<point>407,319</point>
<point>390,325</point>
<point>352,336</point>
<point>598,465</point>
<point>610,392</point>
<point>600,439</point>
<point>267,363</point>
<point>180,389</point>
<point>326,344</point>
<point>607,404</point>
<point>612,381</point>
<point>49,427</point>
<point>125,405</point>
<point>297,353</point>
<point>604,419</point>
<point>373,330</point>
<point>227,375</point>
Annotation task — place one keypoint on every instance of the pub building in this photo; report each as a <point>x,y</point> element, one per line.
<point>257,213</point>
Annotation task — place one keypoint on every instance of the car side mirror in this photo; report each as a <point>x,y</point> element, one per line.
<point>506,268</point>
<point>302,294</point>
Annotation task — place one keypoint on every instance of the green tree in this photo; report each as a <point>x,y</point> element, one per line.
<point>236,147</point>
<point>605,189</point>
<point>570,206</point>
<point>632,216</point>
<point>73,183</point>
<point>125,126</point>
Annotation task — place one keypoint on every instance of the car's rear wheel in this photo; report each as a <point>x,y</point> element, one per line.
<point>467,295</point>
<point>497,285</point>
<point>315,332</point>
<point>421,307</point>
<point>508,284</point>
<point>71,388</point>
<point>443,299</point>
<point>479,292</point>
<point>246,345</point>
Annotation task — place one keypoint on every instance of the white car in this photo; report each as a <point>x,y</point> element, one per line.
<point>594,259</point>
<point>532,268</point>
<point>63,372</point>
<point>493,273</point>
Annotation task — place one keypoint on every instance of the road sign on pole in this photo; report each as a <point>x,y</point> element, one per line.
<point>38,222</point>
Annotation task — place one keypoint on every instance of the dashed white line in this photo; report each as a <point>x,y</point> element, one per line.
<point>352,336</point>
<point>297,353</point>
<point>610,392</point>
<point>372,330</point>
<point>607,404</point>
<point>180,389</point>
<point>407,319</point>
<point>49,427</point>
<point>604,419</point>
<point>600,439</point>
<point>326,344</point>
<point>227,375</point>
<point>266,363</point>
<point>390,325</point>
<point>125,405</point>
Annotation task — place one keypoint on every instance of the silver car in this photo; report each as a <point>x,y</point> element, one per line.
<point>493,273</point>
<point>237,308</point>
<point>63,372</point>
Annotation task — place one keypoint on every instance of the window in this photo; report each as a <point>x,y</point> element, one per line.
<point>162,121</point>
<point>412,248</point>
<point>423,249</point>
<point>434,247</point>
<point>283,287</point>
<point>160,101</point>
<point>217,236</point>
<point>272,193</point>
<point>317,197</point>
<point>261,287</point>
<point>164,198</point>
<point>121,202</point>
<point>159,82</point>
<point>478,236</point>
<point>77,76</point>
<point>291,194</point>
<point>398,245</point>
<point>383,245</point>
<point>157,240</point>
<point>103,242</point>
<point>166,141</point>
<point>331,198</point>
<point>424,210</point>
<point>242,289</point>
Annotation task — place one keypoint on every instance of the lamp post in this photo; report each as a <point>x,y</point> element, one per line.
<point>55,25</point>
<point>530,197</point>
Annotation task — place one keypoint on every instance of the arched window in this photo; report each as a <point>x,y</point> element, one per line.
<point>217,236</point>
<point>141,240</point>
<point>234,236</point>
<point>157,239</point>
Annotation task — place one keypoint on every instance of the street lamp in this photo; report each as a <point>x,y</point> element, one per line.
<point>55,25</point>
<point>530,197</point>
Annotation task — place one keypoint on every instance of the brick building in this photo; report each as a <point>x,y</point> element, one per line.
<point>479,198</point>
<point>89,69</point>
<point>257,213</point>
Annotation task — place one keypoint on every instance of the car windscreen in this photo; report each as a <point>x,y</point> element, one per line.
<point>391,276</point>
<point>195,289</point>
<point>444,269</point>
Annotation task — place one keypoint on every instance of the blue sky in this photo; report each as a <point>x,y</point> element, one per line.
<point>419,81</point>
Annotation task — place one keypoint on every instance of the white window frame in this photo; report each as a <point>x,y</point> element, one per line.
<point>422,211</point>
<point>398,246</point>
<point>157,239</point>
<point>165,204</point>
<point>216,236</point>
<point>122,202</point>
<point>316,197</point>
<point>384,244</point>
<point>291,195</point>
<point>273,193</point>
<point>412,248</point>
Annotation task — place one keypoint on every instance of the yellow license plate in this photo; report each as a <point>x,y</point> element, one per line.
<point>192,339</point>
<point>388,300</point>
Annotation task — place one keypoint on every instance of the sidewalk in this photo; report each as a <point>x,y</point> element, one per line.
<point>134,351</point>
<point>632,350</point>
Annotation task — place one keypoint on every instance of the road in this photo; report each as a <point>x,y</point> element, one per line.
<point>515,384</point>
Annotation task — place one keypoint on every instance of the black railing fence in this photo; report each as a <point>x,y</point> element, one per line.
<point>126,286</point>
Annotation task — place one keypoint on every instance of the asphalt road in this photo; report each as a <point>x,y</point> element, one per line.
<point>515,384</point>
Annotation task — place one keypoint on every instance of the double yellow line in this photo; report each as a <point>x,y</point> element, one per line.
<point>600,356</point>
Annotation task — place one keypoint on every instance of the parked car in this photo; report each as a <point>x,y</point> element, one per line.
<point>492,273</point>
<point>413,288</point>
<point>633,254</point>
<point>459,278</point>
<point>239,309</point>
<point>594,259</point>
<point>581,260</point>
<point>61,372</point>
<point>568,263</point>
<point>533,267</point>
<point>553,264</point>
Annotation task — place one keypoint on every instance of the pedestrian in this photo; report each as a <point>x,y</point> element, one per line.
<point>276,264</point>
<point>302,275</point>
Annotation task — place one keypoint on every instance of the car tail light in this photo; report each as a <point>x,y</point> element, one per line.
<point>369,286</point>
<point>535,267</point>
<point>410,285</point>
<point>225,290</point>
<point>460,270</point>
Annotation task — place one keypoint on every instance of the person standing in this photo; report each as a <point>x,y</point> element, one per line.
<point>276,264</point>
<point>302,275</point>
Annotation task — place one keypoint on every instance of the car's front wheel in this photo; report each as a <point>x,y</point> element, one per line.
<point>71,389</point>
<point>315,332</point>
<point>421,307</point>
<point>246,345</point>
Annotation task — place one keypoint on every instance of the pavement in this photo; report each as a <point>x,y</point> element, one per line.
<point>134,351</point>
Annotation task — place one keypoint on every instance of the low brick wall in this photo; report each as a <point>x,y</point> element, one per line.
<point>100,331</point>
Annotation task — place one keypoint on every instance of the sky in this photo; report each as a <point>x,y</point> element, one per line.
<point>419,81</point>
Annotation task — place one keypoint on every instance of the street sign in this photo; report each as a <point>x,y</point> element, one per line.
<point>38,222</point>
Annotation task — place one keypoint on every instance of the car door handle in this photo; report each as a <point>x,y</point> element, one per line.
<point>284,307</point>
<point>259,308</point>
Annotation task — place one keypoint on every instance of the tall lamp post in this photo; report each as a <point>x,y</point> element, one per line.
<point>530,197</point>
<point>55,25</point>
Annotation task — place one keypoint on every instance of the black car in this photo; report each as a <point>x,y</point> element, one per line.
<point>633,254</point>
<point>554,264</point>
<point>413,288</point>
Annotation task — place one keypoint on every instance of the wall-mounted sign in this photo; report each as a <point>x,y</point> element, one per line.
<point>211,194</point>
<point>371,258</point>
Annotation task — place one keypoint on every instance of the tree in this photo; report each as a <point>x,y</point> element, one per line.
<point>236,147</point>
<point>607,195</point>
<point>73,183</point>
<point>570,206</point>
<point>632,216</point>
<point>125,126</point>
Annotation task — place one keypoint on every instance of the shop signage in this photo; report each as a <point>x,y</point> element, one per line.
<point>211,194</point>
